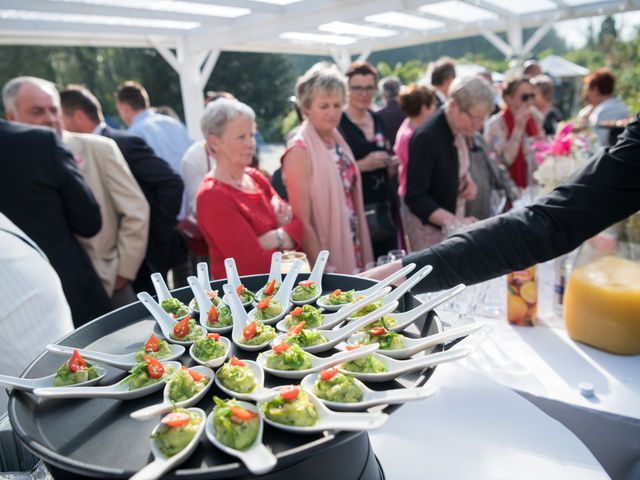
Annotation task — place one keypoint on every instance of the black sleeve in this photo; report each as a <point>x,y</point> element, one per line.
<point>604,192</point>
<point>81,208</point>
<point>420,169</point>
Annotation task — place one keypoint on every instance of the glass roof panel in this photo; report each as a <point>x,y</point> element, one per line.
<point>404,20</point>
<point>318,38</point>
<point>457,10</point>
<point>344,28</point>
<point>524,6</point>
<point>177,6</point>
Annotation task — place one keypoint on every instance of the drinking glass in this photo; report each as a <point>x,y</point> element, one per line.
<point>289,257</point>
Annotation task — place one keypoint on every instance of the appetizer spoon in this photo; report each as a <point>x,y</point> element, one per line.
<point>30,384</point>
<point>322,301</point>
<point>370,398</point>
<point>202,271</point>
<point>317,363</point>
<point>258,457</point>
<point>162,291</point>
<point>118,391</point>
<point>205,304</point>
<point>258,394</point>
<point>330,320</point>
<point>329,420</point>
<point>336,336</point>
<point>162,463</point>
<point>282,296</point>
<point>275,273</point>
<point>416,345</point>
<point>167,404</point>
<point>214,362</point>
<point>240,320</point>
<point>397,368</point>
<point>233,279</point>
<point>407,318</point>
<point>124,361</point>
<point>316,277</point>
<point>165,322</point>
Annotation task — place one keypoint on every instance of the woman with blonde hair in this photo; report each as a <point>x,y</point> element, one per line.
<point>322,179</point>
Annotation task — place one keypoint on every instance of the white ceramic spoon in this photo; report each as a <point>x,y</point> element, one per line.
<point>204,301</point>
<point>322,301</point>
<point>317,363</point>
<point>118,391</point>
<point>282,295</point>
<point>316,277</point>
<point>240,320</point>
<point>214,362</point>
<point>162,291</point>
<point>167,404</point>
<point>258,457</point>
<point>162,463</point>
<point>233,279</point>
<point>336,336</point>
<point>274,273</point>
<point>258,394</point>
<point>416,345</point>
<point>124,361</point>
<point>202,272</point>
<point>371,398</point>
<point>165,322</point>
<point>405,319</point>
<point>397,368</point>
<point>329,420</point>
<point>30,384</point>
<point>330,320</point>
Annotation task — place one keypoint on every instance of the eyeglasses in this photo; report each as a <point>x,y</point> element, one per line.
<point>525,97</point>
<point>475,118</point>
<point>359,89</point>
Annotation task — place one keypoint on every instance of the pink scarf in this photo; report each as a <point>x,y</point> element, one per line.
<point>328,207</point>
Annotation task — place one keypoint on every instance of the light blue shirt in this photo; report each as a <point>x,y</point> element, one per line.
<point>165,135</point>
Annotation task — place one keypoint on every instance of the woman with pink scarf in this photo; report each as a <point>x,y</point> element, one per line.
<point>322,179</point>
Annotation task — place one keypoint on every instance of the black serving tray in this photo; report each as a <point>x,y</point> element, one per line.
<point>96,437</point>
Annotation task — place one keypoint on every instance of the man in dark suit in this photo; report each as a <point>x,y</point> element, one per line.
<point>43,193</point>
<point>443,74</point>
<point>161,186</point>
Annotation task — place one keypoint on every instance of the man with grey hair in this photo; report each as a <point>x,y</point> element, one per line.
<point>392,116</point>
<point>438,180</point>
<point>118,250</point>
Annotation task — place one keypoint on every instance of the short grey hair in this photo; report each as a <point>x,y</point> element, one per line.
<point>389,87</point>
<point>13,86</point>
<point>470,91</point>
<point>219,113</point>
<point>322,76</point>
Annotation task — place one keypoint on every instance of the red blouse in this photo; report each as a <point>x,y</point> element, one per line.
<point>231,221</point>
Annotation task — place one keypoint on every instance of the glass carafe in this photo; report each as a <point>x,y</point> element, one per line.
<point>602,299</point>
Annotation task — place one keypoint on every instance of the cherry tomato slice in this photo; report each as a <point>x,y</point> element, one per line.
<point>212,294</point>
<point>237,363</point>
<point>296,329</point>
<point>215,336</point>
<point>377,331</point>
<point>175,419</point>
<point>264,303</point>
<point>242,414</point>
<point>154,367</point>
<point>212,316</point>
<point>290,393</point>
<point>181,329</point>
<point>306,283</point>
<point>296,311</point>
<point>281,347</point>
<point>250,330</point>
<point>76,362</point>
<point>195,375</point>
<point>327,375</point>
<point>353,347</point>
<point>336,293</point>
<point>240,289</point>
<point>152,345</point>
<point>270,288</point>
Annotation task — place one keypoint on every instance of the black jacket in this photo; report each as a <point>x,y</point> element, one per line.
<point>162,188</point>
<point>603,192</point>
<point>43,193</point>
<point>432,170</point>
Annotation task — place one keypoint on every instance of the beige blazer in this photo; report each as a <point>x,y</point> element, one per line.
<point>120,247</point>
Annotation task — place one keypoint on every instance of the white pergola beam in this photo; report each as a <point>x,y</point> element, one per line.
<point>166,53</point>
<point>497,42</point>
<point>208,66</point>
<point>537,36</point>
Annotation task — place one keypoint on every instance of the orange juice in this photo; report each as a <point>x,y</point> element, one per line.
<point>602,305</point>
<point>522,297</point>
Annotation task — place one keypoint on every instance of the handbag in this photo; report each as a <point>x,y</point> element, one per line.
<point>381,226</point>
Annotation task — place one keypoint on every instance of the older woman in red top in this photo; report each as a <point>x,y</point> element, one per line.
<point>240,215</point>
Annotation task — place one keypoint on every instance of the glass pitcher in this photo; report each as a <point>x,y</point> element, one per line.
<point>602,299</point>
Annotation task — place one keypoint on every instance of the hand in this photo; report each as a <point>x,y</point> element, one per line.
<point>121,282</point>
<point>393,165</point>
<point>373,161</point>
<point>283,211</point>
<point>468,189</point>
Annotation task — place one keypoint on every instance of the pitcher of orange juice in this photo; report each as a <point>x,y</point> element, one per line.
<point>602,299</point>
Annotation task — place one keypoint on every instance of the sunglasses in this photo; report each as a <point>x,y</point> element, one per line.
<point>525,97</point>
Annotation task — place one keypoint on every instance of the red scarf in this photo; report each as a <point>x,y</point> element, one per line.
<point>518,169</point>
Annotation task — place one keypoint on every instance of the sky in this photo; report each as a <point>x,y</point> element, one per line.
<point>575,31</point>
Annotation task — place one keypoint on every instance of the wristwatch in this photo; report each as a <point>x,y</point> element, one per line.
<point>280,235</point>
